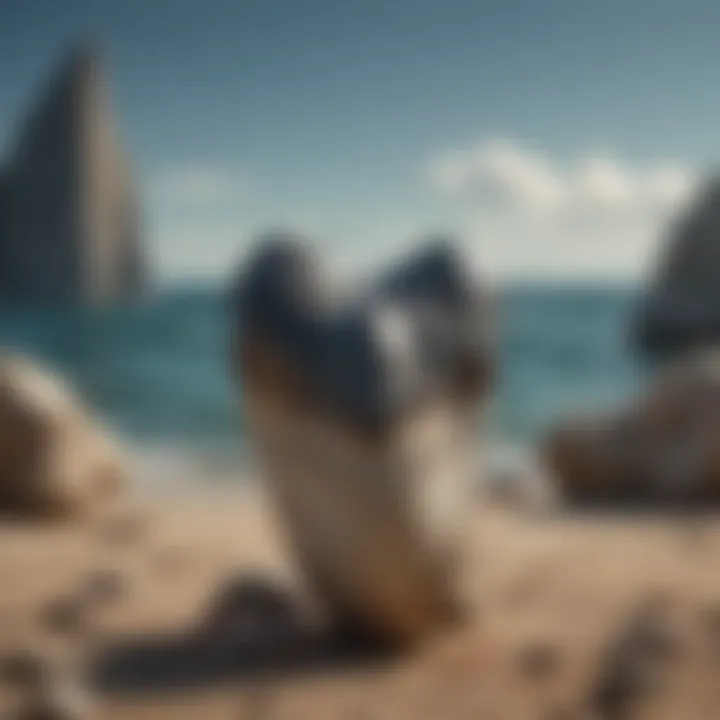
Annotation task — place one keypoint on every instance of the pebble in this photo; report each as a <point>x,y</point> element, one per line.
<point>51,684</point>
<point>61,701</point>
<point>560,713</point>
<point>632,663</point>
<point>254,597</point>
<point>125,529</point>
<point>171,560</point>
<point>66,615</point>
<point>38,664</point>
<point>23,668</point>
<point>104,586</point>
<point>539,661</point>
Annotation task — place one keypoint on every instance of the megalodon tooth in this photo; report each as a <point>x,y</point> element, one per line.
<point>363,413</point>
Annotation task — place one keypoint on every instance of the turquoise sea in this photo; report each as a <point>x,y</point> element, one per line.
<point>158,373</point>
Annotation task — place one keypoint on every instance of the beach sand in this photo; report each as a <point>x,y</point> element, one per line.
<point>570,616</point>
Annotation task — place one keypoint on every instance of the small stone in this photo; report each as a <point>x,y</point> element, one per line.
<point>66,616</point>
<point>653,635</point>
<point>104,586</point>
<point>62,700</point>
<point>632,664</point>
<point>620,687</point>
<point>35,668</point>
<point>58,692</point>
<point>710,622</point>
<point>172,559</point>
<point>560,713</point>
<point>258,617</point>
<point>256,597</point>
<point>125,529</point>
<point>711,619</point>
<point>23,668</point>
<point>539,661</point>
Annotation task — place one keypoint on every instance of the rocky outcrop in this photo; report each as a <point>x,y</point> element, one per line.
<point>55,459</point>
<point>663,449</point>
<point>681,308</point>
<point>4,224</point>
<point>70,223</point>
<point>363,412</point>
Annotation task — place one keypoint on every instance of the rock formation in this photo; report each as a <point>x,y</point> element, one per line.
<point>663,449</point>
<point>681,309</point>
<point>69,224</point>
<point>363,412</point>
<point>55,459</point>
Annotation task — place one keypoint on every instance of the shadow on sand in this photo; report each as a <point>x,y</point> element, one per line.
<point>257,631</point>
<point>642,509</point>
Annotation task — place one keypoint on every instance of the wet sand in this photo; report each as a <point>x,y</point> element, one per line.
<point>570,616</point>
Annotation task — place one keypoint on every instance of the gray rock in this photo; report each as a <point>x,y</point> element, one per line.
<point>539,660</point>
<point>70,230</point>
<point>659,450</point>
<point>125,529</point>
<point>66,616</point>
<point>680,309</point>
<point>56,459</point>
<point>61,700</point>
<point>32,669</point>
<point>23,668</point>
<point>634,661</point>
<point>105,586</point>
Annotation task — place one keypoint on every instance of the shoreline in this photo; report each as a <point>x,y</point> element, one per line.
<point>165,465</point>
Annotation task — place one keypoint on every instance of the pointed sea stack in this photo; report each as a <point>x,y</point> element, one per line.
<point>681,309</point>
<point>69,221</point>
<point>363,411</point>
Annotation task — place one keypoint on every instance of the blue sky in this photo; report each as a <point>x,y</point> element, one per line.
<point>557,136</point>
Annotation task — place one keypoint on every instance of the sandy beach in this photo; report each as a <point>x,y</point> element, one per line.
<point>553,597</point>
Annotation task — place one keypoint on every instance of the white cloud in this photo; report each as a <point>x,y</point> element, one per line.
<point>200,186</point>
<point>523,213</point>
<point>602,182</point>
<point>504,174</point>
<point>670,184</point>
<point>499,172</point>
<point>526,213</point>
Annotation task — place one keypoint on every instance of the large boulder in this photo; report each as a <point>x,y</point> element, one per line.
<point>55,458</point>
<point>680,309</point>
<point>363,412</point>
<point>662,449</point>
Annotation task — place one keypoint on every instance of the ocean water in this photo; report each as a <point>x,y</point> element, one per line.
<point>159,373</point>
